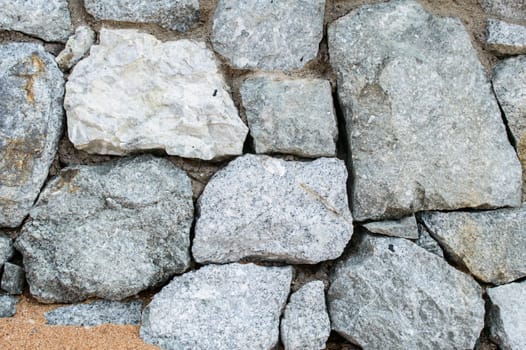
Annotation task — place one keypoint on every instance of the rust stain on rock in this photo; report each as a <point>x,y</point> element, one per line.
<point>37,68</point>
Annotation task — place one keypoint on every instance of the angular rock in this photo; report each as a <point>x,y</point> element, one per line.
<point>506,38</point>
<point>425,132</point>
<point>507,316</point>
<point>13,279</point>
<point>31,93</point>
<point>405,227</point>
<point>135,92</point>
<point>391,294</point>
<point>265,208</point>
<point>174,15</point>
<point>305,324</point>
<point>6,249</point>
<point>8,305</point>
<point>427,242</point>
<point>510,9</point>
<point>108,230</point>
<point>268,35</point>
<point>47,19</point>
<point>96,313</point>
<point>491,244</point>
<point>76,47</point>
<point>291,116</point>
<point>219,307</point>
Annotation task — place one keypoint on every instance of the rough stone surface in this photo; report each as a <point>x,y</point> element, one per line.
<point>405,227</point>
<point>6,249</point>
<point>109,230</point>
<point>391,294</point>
<point>96,313</point>
<point>291,116</point>
<point>178,15</point>
<point>511,9</point>
<point>13,279</point>
<point>305,324</point>
<point>269,209</point>
<point>268,35</point>
<point>7,305</point>
<point>47,19</point>
<point>76,47</point>
<point>491,244</point>
<point>506,38</point>
<point>219,307</point>
<point>425,130</point>
<point>135,92</point>
<point>427,242</point>
<point>507,316</point>
<point>31,93</point>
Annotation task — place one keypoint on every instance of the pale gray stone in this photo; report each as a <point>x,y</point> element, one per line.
<point>305,324</point>
<point>6,249</point>
<point>405,227</point>
<point>178,15</point>
<point>266,208</point>
<point>506,38</point>
<point>268,35</point>
<point>13,279</point>
<point>97,313</point>
<point>510,9</point>
<point>291,116</point>
<point>425,130</point>
<point>8,305</point>
<point>219,307</point>
<point>31,93</point>
<point>507,316</point>
<point>47,19</point>
<point>76,47</point>
<point>134,92</point>
<point>108,230</point>
<point>427,242</point>
<point>391,294</point>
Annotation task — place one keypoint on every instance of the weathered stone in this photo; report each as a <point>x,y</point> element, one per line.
<point>507,316</point>
<point>219,307</point>
<point>506,38</point>
<point>425,130</point>
<point>391,294</point>
<point>47,19</point>
<point>270,209</point>
<point>8,305</point>
<point>405,227</point>
<point>13,279</point>
<point>268,35</point>
<point>76,47</point>
<point>6,249</point>
<point>96,313</point>
<point>135,92</point>
<point>31,93</point>
<point>427,242</point>
<point>109,230</point>
<point>291,116</point>
<point>305,324</point>
<point>178,15</point>
<point>491,244</point>
<point>511,9</point>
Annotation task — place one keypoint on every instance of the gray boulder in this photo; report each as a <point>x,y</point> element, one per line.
<point>405,227</point>
<point>266,208</point>
<point>219,307</point>
<point>510,9</point>
<point>268,35</point>
<point>8,305</point>
<point>425,132</point>
<point>109,230</point>
<point>6,249</point>
<point>31,93</point>
<point>13,279</point>
<point>506,38</point>
<point>391,294</point>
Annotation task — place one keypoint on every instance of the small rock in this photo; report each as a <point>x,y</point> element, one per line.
<point>219,307</point>
<point>510,9</point>
<point>391,294</point>
<point>507,316</point>
<point>268,35</point>
<point>13,279</point>
<point>8,305</point>
<point>305,324</point>
<point>76,47</point>
<point>6,249</point>
<point>269,209</point>
<point>96,313</point>
<point>31,93</point>
<point>506,38</point>
<point>135,92</point>
<point>405,227</point>
<point>291,116</point>
<point>108,230</point>
<point>491,244</point>
<point>427,242</point>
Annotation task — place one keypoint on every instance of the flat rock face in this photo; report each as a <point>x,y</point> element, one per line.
<point>6,249</point>
<point>291,116</point>
<point>305,324</point>
<point>507,316</point>
<point>506,38</point>
<point>174,15</point>
<point>491,244</point>
<point>268,35</point>
<point>219,307</point>
<point>76,47</point>
<point>96,313</point>
<point>13,279</point>
<point>109,230</point>
<point>31,93</point>
<point>405,227</point>
<point>135,92</point>
<point>425,132</point>
<point>511,9</point>
<point>270,209</point>
<point>8,305</point>
<point>391,294</point>
<point>46,19</point>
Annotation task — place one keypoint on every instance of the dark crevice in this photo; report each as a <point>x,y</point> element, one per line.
<point>511,138</point>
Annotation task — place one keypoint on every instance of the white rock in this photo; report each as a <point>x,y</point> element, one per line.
<point>76,47</point>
